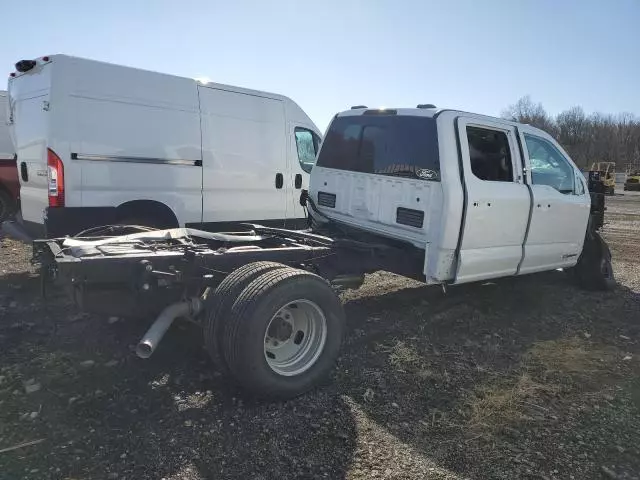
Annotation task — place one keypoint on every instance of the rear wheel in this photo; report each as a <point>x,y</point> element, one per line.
<point>284,333</point>
<point>219,305</point>
<point>7,206</point>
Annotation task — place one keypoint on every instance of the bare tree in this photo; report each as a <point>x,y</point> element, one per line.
<point>594,138</point>
<point>526,111</point>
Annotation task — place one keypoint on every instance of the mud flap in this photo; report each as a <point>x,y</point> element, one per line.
<point>594,270</point>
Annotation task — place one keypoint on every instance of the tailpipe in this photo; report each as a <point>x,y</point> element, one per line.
<point>148,343</point>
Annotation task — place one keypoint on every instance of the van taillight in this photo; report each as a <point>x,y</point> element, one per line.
<point>55,176</point>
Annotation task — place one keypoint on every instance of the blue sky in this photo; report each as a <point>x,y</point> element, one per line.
<point>328,55</point>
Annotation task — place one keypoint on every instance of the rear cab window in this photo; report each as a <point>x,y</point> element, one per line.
<point>383,144</point>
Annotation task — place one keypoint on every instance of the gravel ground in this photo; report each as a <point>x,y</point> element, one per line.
<point>520,378</point>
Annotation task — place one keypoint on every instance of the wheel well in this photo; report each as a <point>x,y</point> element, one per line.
<point>147,212</point>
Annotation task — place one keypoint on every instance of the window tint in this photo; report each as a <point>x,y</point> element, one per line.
<point>307,143</point>
<point>490,154</point>
<point>548,165</point>
<point>397,145</point>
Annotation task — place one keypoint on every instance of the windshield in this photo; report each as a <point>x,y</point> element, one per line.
<point>403,146</point>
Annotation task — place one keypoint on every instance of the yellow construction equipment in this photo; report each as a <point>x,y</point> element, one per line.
<point>632,182</point>
<point>607,174</point>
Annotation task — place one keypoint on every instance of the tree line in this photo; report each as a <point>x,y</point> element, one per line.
<point>590,138</point>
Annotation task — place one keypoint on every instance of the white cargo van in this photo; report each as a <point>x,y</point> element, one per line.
<point>102,144</point>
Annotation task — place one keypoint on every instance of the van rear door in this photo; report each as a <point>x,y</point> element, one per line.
<point>28,106</point>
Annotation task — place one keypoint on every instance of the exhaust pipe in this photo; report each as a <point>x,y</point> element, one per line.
<point>151,339</point>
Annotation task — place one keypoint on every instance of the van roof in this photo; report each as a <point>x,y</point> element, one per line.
<point>69,58</point>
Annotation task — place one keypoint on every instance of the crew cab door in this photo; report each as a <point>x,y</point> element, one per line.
<point>497,202</point>
<point>561,205</point>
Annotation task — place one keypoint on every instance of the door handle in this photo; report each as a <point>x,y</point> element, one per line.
<point>279,180</point>
<point>24,173</point>
<point>298,181</point>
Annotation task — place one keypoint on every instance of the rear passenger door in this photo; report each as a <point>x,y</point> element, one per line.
<point>561,205</point>
<point>497,201</point>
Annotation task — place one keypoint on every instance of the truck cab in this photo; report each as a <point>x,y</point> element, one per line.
<point>483,197</point>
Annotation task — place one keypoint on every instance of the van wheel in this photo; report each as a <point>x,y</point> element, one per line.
<point>284,333</point>
<point>219,304</point>
<point>7,206</point>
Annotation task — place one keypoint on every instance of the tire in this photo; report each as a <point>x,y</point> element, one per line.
<point>7,206</point>
<point>247,337</point>
<point>594,270</point>
<point>219,304</point>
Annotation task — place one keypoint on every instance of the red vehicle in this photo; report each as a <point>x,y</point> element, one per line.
<point>9,187</point>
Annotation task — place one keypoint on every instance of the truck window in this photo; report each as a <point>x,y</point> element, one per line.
<point>490,154</point>
<point>548,165</point>
<point>395,145</point>
<point>307,143</point>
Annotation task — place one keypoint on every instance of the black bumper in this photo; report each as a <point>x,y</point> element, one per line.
<point>632,186</point>
<point>62,221</point>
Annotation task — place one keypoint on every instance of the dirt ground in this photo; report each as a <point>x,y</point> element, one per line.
<point>522,378</point>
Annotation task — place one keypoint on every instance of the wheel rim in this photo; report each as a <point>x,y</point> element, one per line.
<point>295,338</point>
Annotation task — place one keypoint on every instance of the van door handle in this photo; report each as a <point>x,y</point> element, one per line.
<point>298,181</point>
<point>24,172</point>
<point>279,180</point>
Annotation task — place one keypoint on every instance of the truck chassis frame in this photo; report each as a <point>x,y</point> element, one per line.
<point>227,282</point>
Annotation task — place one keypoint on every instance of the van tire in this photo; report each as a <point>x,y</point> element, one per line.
<point>7,206</point>
<point>251,318</point>
<point>218,306</point>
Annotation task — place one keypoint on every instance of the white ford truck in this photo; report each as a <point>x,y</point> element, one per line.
<point>442,196</point>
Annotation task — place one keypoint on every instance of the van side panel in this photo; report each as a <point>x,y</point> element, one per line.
<point>132,134</point>
<point>244,150</point>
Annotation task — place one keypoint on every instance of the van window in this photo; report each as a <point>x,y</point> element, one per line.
<point>307,143</point>
<point>548,165</point>
<point>403,146</point>
<point>490,154</point>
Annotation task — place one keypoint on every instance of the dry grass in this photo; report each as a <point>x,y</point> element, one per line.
<point>573,357</point>
<point>498,405</point>
<point>402,355</point>
<point>545,369</point>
